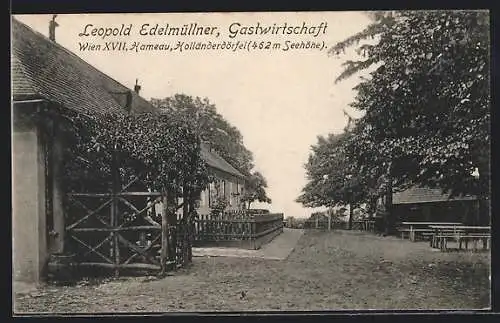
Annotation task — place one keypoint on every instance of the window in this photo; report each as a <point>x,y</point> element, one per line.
<point>223,189</point>
<point>231,193</point>
<point>212,194</point>
<point>203,198</point>
<point>158,209</point>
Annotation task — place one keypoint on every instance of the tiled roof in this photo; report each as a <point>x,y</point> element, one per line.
<point>21,82</point>
<point>44,69</point>
<point>417,195</point>
<point>215,161</point>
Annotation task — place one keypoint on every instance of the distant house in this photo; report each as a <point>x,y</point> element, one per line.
<point>47,76</point>
<point>230,183</point>
<point>433,205</point>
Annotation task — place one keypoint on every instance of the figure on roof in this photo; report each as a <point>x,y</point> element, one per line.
<point>52,28</point>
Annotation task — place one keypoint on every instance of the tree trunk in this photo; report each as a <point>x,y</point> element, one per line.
<point>373,207</point>
<point>349,224</point>
<point>388,214</point>
<point>484,192</point>
<point>184,225</point>
<point>191,224</point>
<point>389,221</point>
<point>164,235</point>
<point>172,223</point>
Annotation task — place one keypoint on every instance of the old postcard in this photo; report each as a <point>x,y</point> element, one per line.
<point>249,162</point>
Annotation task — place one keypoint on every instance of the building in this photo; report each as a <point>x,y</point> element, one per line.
<point>433,205</point>
<point>48,77</point>
<point>230,183</point>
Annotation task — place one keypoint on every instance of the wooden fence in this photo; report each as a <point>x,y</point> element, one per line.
<point>249,231</point>
<point>120,230</point>
<point>324,224</point>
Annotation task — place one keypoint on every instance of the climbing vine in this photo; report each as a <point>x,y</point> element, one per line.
<point>164,153</point>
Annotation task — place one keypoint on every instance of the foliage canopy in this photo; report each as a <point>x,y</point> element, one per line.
<point>224,138</point>
<point>163,152</point>
<point>425,105</point>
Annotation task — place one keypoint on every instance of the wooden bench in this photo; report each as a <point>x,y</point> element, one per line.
<point>424,232</point>
<point>427,235</point>
<point>436,239</point>
<point>403,231</point>
<point>421,229</point>
<point>460,234</point>
<point>463,241</point>
<point>475,238</point>
<point>440,241</point>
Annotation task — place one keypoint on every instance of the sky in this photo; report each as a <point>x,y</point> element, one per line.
<point>279,100</point>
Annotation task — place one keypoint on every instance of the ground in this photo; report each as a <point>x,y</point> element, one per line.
<point>326,271</point>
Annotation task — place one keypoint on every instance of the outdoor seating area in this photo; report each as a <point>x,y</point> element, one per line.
<point>442,234</point>
<point>420,230</point>
<point>464,236</point>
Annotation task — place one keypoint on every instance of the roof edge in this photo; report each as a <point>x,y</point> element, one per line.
<point>69,52</point>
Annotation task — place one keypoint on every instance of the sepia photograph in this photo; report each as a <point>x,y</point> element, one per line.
<point>250,162</point>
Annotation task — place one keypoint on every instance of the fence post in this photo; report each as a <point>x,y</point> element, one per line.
<point>164,235</point>
<point>115,187</point>
<point>203,227</point>
<point>329,222</point>
<point>190,226</point>
<point>254,233</point>
<point>114,242</point>
<point>185,224</point>
<point>172,226</point>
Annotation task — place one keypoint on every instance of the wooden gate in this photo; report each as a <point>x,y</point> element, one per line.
<point>128,228</point>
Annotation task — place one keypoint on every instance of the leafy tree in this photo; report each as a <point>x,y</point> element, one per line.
<point>255,190</point>
<point>226,139</point>
<point>162,152</point>
<point>211,126</point>
<point>426,105</point>
<point>333,176</point>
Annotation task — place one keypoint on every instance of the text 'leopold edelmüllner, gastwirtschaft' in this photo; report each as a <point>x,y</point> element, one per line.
<point>196,29</point>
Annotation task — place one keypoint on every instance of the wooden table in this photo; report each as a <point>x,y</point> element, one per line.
<point>369,225</point>
<point>365,224</point>
<point>459,232</point>
<point>414,226</point>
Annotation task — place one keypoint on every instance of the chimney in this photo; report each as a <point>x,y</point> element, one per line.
<point>137,87</point>
<point>52,28</point>
<point>128,102</point>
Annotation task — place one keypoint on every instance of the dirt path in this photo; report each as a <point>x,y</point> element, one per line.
<point>278,249</point>
<point>326,271</point>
